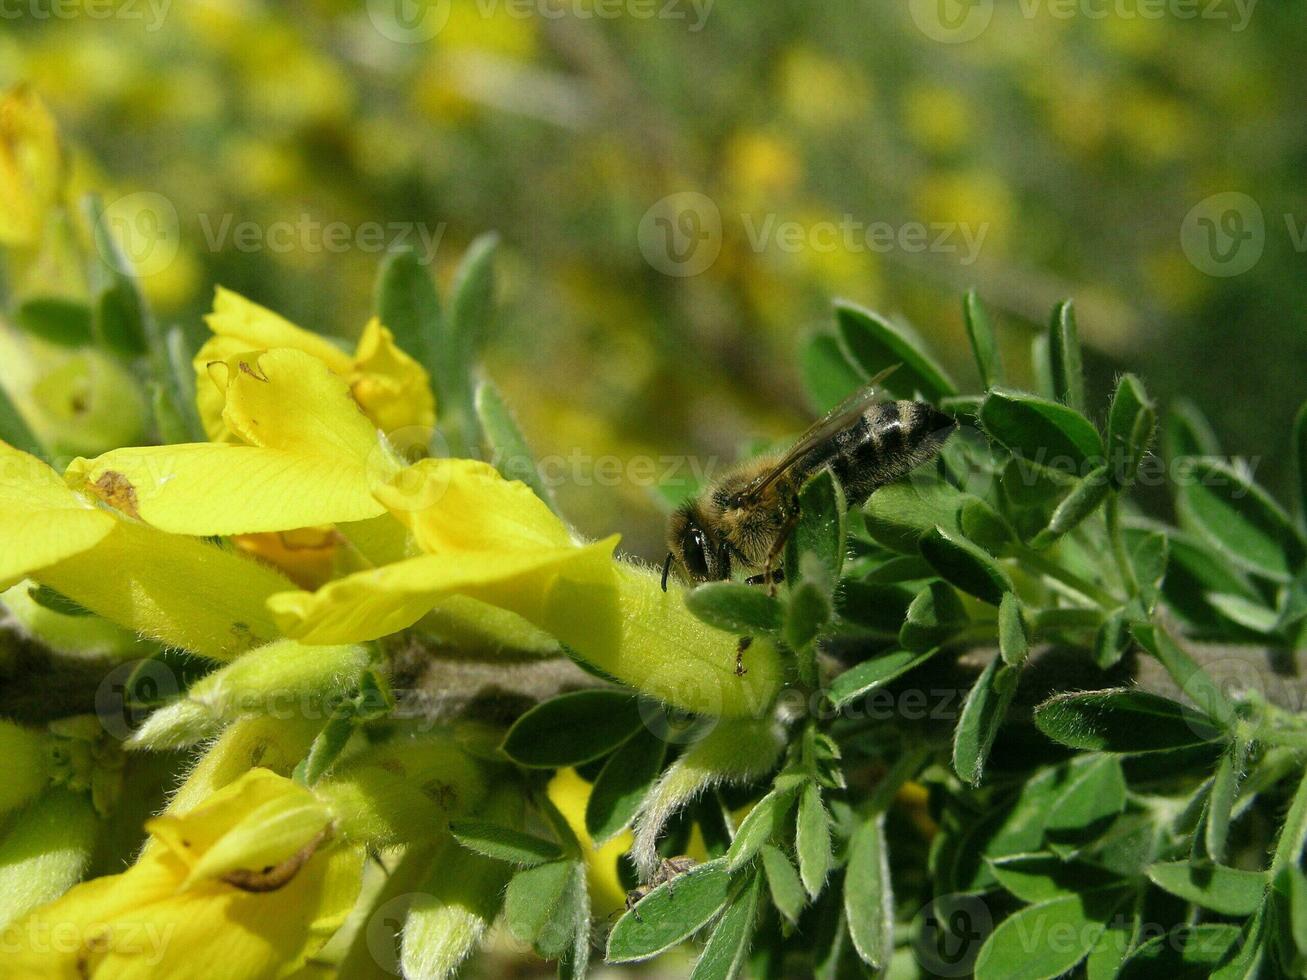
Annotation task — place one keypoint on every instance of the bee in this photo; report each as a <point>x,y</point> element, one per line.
<point>741,521</point>
<point>668,870</point>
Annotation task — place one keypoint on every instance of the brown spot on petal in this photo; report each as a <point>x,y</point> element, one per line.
<point>275,876</point>
<point>254,372</point>
<point>117,491</point>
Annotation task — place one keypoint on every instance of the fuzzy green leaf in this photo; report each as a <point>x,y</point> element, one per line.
<point>671,913</point>
<point>812,839</point>
<point>508,449</point>
<point>1047,939</point>
<point>1043,431</point>
<point>1186,951</point>
<point>1131,422</point>
<point>572,728</point>
<point>821,529</point>
<point>962,564</point>
<point>1123,720</point>
<point>1064,357</point>
<point>1035,878</point>
<point>783,881</point>
<point>982,714</point>
<point>622,784</point>
<point>1013,639</point>
<point>1212,886</point>
<point>828,377</point>
<point>874,344</point>
<point>725,951</point>
<point>871,674</point>
<point>1239,519</point>
<point>59,320</point>
<point>505,843</point>
<point>532,897</point>
<point>735,607</point>
<point>868,899</point>
<point>766,820</point>
<point>1096,793</point>
<point>1085,497</point>
<point>897,515</point>
<point>1186,432</point>
<point>983,343</point>
<point>933,617</point>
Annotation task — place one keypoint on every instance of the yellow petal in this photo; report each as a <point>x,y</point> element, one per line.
<point>177,590</point>
<point>570,793</point>
<point>262,820</point>
<point>41,520</point>
<point>385,600</point>
<point>256,327</point>
<point>393,389</point>
<point>466,505</point>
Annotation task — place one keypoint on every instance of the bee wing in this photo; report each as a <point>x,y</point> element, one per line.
<point>839,417</point>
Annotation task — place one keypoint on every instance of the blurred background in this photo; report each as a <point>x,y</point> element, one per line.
<point>682,186</point>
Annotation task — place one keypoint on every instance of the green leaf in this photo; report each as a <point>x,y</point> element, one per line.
<point>59,320</point>
<point>622,784</point>
<point>1043,431</point>
<point>727,948</point>
<point>1220,804</point>
<point>982,714</point>
<point>807,611</point>
<point>1085,497</point>
<point>735,607</point>
<point>409,307</point>
<point>1095,794</point>
<point>871,674</point>
<point>507,445</point>
<point>1239,519</point>
<point>985,526</point>
<point>812,839</point>
<point>1291,910</point>
<point>121,321</point>
<point>983,344</point>
<point>1131,423</point>
<point>1035,878</point>
<point>532,897</point>
<point>783,881</point>
<point>1013,639</point>
<point>1064,357</point>
<point>828,377</point>
<point>874,344</point>
<point>558,937</point>
<point>1212,886</point>
<point>766,820</point>
<point>1047,939</point>
<point>572,728</point>
<point>880,608</point>
<point>57,602</point>
<point>1040,367</point>
<point>964,565</point>
<point>14,429</point>
<point>897,515</point>
<point>934,616</point>
<point>1185,953</point>
<point>175,378</point>
<point>671,913</point>
<point>1123,720</point>
<point>471,306</point>
<point>1197,685</point>
<point>326,748</point>
<point>1112,640</point>
<point>1150,556</point>
<point>1186,432</point>
<point>821,529</point>
<point>868,898</point>
<point>575,958</point>
<point>505,843</point>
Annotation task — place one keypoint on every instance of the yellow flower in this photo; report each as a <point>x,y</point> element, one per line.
<point>392,389</point>
<point>251,879</point>
<point>492,540</point>
<point>174,589</point>
<point>31,167</point>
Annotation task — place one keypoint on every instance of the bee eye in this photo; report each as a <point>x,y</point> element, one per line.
<point>696,557</point>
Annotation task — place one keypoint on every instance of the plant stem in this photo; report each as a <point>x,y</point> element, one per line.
<point>905,768</point>
<point>1068,578</point>
<point>1115,534</point>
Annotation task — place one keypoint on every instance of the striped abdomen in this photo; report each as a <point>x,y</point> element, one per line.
<point>887,440</point>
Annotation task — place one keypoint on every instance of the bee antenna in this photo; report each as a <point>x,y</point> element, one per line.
<point>667,567</point>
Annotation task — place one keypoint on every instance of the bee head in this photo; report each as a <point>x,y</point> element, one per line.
<point>693,548</point>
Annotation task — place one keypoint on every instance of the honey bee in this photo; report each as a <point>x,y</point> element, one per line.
<point>741,521</point>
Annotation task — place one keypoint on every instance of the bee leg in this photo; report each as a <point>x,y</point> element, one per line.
<point>740,669</point>
<point>783,535</point>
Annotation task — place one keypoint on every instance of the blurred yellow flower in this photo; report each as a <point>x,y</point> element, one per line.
<point>976,199</point>
<point>250,879</point>
<point>937,117</point>
<point>761,167</point>
<point>818,91</point>
<point>32,169</point>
